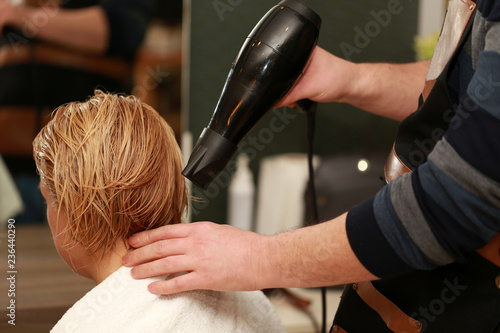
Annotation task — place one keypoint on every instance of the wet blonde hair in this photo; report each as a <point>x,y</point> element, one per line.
<point>113,167</point>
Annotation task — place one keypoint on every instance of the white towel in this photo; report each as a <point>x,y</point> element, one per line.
<point>122,304</point>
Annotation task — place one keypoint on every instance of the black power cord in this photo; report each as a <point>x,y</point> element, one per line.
<point>309,108</point>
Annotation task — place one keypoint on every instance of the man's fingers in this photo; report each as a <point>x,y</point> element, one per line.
<point>178,284</point>
<point>168,231</point>
<point>157,250</point>
<point>285,102</point>
<point>169,265</point>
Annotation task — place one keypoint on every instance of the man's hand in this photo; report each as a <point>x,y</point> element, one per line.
<point>325,79</point>
<point>7,14</point>
<point>217,257</point>
<point>388,90</point>
<point>67,27</point>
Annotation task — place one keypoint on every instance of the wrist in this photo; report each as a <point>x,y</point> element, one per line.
<point>352,79</point>
<point>262,266</point>
<point>338,79</point>
<point>277,261</point>
<point>270,262</point>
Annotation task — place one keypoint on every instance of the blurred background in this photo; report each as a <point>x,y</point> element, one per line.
<point>175,55</point>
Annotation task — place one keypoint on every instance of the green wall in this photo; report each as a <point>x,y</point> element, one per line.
<point>360,31</point>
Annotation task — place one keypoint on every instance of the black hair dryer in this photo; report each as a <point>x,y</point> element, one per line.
<point>268,64</point>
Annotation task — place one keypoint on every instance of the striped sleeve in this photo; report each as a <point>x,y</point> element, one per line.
<point>450,205</point>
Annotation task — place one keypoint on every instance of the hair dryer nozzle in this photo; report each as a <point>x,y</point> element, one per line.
<point>210,155</point>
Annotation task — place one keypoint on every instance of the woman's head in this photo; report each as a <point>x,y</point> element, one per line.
<point>111,167</point>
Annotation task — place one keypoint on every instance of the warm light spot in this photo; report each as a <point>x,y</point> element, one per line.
<point>363,165</point>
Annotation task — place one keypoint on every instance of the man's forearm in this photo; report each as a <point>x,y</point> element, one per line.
<point>314,256</point>
<point>225,258</point>
<point>81,29</point>
<point>389,90</point>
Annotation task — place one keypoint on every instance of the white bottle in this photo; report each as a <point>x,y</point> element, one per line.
<point>241,195</point>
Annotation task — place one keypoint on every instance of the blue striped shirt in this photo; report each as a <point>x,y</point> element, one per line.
<point>450,205</point>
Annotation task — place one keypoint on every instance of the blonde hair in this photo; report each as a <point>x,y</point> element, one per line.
<point>113,167</point>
